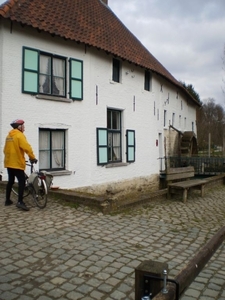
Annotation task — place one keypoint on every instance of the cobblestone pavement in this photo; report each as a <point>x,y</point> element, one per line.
<point>63,252</point>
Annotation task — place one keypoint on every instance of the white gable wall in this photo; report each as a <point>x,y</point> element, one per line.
<point>142,111</point>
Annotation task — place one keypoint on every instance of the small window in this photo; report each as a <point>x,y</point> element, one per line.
<point>52,149</point>
<point>147,81</point>
<point>173,119</point>
<point>116,70</point>
<point>179,121</point>
<point>164,120</point>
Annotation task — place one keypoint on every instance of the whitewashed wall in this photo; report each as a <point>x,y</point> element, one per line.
<point>81,118</point>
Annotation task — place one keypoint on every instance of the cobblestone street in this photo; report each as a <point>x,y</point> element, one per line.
<point>63,252</point>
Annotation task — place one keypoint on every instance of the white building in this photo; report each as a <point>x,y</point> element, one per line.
<point>97,105</point>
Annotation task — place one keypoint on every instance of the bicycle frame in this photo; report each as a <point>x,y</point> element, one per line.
<point>35,186</point>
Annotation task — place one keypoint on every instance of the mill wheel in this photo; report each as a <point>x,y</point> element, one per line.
<point>189,144</point>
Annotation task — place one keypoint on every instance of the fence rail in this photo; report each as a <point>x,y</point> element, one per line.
<point>202,165</point>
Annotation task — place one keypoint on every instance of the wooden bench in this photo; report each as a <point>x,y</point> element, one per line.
<point>185,173</point>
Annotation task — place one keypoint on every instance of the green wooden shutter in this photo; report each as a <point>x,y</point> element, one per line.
<point>102,146</point>
<point>30,71</point>
<point>130,141</point>
<point>76,79</point>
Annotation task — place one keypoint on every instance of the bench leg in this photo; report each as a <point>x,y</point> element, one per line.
<point>168,193</point>
<point>185,195</point>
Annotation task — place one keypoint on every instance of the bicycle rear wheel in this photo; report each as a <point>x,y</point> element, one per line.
<point>40,198</point>
<point>26,189</point>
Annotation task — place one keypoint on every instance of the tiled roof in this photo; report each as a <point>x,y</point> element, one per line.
<point>86,21</point>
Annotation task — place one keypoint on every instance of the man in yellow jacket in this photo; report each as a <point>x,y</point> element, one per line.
<point>16,146</point>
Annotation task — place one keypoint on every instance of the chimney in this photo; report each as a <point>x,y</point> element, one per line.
<point>105,1</point>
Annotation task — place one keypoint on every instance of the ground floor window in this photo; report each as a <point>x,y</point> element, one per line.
<point>52,149</point>
<point>114,135</point>
<point>110,140</point>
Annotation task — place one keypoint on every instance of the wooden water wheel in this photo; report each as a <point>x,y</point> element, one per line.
<point>188,145</point>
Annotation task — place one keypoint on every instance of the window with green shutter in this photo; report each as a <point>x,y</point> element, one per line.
<point>130,142</point>
<point>46,74</point>
<point>102,146</point>
<point>110,140</point>
<point>30,71</point>
<point>76,79</point>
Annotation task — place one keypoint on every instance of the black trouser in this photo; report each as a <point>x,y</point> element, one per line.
<point>20,175</point>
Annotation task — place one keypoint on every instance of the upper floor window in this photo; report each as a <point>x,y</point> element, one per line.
<point>116,70</point>
<point>45,73</point>
<point>147,80</point>
<point>52,75</point>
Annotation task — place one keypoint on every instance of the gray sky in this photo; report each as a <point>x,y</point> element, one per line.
<point>187,37</point>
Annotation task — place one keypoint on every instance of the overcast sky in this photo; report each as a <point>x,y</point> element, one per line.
<point>187,37</point>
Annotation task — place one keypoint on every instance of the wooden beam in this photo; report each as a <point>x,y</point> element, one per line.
<point>194,267</point>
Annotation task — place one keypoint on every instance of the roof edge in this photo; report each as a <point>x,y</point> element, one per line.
<point>6,6</point>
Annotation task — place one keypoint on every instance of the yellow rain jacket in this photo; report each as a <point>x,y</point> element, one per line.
<point>16,146</point>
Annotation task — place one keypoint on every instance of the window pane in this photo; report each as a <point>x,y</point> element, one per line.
<point>31,59</point>
<point>57,149</point>
<point>76,91</point>
<point>45,75</point>
<point>102,137</point>
<point>45,65</point>
<point>130,138</point>
<point>76,69</point>
<point>58,76</point>
<point>109,119</point>
<point>147,80</point>
<point>131,154</point>
<point>116,70</point>
<point>116,120</point>
<point>102,154</point>
<point>44,150</point>
<point>30,82</point>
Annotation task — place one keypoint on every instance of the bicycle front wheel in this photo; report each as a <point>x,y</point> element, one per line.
<point>40,198</point>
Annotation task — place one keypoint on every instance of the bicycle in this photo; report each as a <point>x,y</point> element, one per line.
<point>37,185</point>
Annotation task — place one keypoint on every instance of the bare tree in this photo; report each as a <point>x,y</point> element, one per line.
<point>223,67</point>
<point>210,120</point>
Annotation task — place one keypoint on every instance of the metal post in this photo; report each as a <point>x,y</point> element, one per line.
<point>164,290</point>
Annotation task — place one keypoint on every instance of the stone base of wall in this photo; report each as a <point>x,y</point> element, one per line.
<point>124,188</point>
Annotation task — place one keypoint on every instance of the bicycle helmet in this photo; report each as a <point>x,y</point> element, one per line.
<point>17,123</point>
